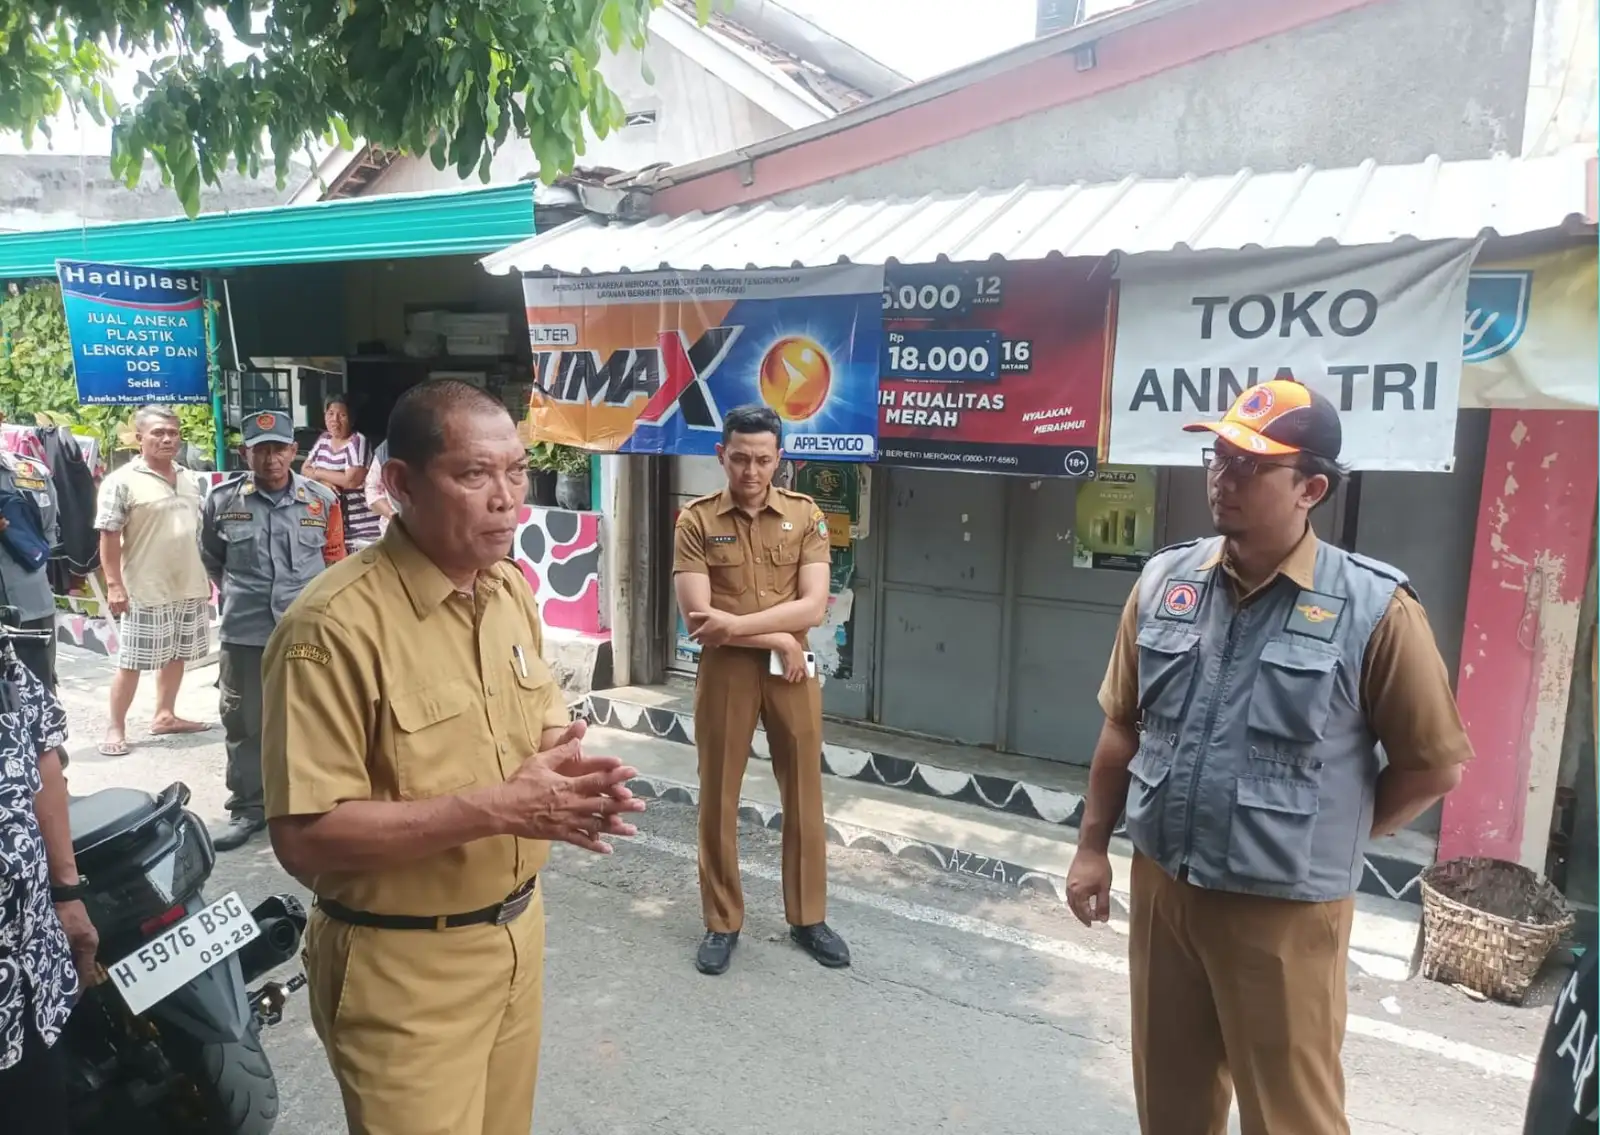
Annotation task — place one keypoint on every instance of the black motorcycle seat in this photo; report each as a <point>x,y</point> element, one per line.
<point>107,814</point>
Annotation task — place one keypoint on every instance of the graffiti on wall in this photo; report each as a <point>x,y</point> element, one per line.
<point>559,554</point>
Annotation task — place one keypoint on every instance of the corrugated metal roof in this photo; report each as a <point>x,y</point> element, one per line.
<point>394,226</point>
<point>1366,204</point>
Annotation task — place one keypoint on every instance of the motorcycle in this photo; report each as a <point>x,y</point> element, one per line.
<point>170,1040</point>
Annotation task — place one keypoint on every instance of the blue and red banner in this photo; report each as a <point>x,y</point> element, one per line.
<point>650,363</point>
<point>138,334</point>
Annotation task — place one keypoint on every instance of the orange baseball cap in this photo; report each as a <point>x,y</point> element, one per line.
<point>1277,418</point>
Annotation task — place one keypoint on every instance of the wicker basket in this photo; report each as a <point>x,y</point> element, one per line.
<point>1489,925</point>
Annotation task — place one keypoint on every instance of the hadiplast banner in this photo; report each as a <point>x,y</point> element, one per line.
<point>138,334</point>
<point>1375,328</point>
<point>1530,332</point>
<point>650,363</point>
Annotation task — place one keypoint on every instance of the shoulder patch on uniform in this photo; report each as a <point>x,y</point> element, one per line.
<point>307,652</point>
<point>1315,615</point>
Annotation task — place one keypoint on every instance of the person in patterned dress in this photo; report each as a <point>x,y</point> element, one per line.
<point>47,943</point>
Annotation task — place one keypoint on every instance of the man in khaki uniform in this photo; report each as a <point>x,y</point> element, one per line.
<point>751,575</point>
<point>1257,682</point>
<point>417,757</point>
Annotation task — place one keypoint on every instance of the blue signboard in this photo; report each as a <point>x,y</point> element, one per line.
<point>651,363</point>
<point>138,334</point>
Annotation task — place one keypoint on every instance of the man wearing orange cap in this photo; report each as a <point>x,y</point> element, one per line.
<point>1272,702</point>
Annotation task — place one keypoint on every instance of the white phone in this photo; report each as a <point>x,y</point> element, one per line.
<point>775,664</point>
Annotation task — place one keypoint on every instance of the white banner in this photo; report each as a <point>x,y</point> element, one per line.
<point>1376,328</point>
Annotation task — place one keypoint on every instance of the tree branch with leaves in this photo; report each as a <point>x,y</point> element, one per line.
<point>248,82</point>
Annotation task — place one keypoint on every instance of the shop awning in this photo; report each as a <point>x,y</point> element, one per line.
<point>1303,208</point>
<point>395,226</point>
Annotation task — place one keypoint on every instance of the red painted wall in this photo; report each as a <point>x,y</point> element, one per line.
<point>1535,538</point>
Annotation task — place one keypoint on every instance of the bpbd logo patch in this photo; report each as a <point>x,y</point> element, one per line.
<point>1180,602</point>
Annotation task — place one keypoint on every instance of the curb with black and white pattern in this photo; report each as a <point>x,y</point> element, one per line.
<point>1386,876</point>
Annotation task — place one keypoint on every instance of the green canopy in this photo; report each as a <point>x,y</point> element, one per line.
<point>394,226</point>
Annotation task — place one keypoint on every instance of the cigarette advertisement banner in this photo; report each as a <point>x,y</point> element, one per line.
<point>138,334</point>
<point>650,363</point>
<point>994,368</point>
<point>1530,333</point>
<point>1374,328</point>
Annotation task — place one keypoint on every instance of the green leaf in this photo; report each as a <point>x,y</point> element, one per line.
<point>449,78</point>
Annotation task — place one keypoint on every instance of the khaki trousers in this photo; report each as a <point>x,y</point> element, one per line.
<point>430,1032</point>
<point>1236,992</point>
<point>733,690</point>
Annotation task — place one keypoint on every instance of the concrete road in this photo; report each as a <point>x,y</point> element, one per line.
<point>969,1009</point>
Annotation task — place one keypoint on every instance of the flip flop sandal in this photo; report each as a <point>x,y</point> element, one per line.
<point>113,748</point>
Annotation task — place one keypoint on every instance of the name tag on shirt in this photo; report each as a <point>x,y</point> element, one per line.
<point>33,483</point>
<point>313,522</point>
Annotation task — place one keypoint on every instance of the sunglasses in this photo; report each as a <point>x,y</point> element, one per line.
<point>1239,464</point>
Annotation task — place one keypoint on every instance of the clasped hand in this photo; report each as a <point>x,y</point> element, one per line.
<point>564,794</point>
<point>711,627</point>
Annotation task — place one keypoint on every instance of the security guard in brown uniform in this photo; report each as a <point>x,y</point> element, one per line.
<point>1272,703</point>
<point>751,576</point>
<point>417,758</point>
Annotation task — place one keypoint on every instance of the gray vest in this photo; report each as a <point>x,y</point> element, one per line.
<point>1256,766</point>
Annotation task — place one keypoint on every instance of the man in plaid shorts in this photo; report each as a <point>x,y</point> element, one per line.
<point>156,584</point>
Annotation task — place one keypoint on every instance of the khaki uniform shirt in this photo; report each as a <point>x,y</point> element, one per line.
<point>383,682</point>
<point>754,562</point>
<point>160,526</point>
<point>1405,688</point>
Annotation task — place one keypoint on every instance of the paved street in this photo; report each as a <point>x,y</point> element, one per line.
<point>970,1008</point>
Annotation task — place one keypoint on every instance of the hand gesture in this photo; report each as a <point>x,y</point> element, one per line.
<point>82,938</point>
<point>565,795</point>
<point>710,628</point>
<point>1089,886</point>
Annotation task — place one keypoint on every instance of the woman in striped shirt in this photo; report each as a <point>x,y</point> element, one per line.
<point>339,460</point>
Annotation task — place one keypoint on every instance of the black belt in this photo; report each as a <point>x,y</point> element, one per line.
<point>507,910</point>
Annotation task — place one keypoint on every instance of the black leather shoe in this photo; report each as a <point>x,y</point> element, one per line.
<point>822,943</point>
<point>716,952</point>
<point>237,832</point>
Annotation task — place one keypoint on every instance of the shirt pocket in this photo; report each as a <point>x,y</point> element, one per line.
<point>534,691</point>
<point>785,559</point>
<point>432,752</point>
<point>1292,695</point>
<point>243,546</point>
<point>1169,657</point>
<point>726,567</point>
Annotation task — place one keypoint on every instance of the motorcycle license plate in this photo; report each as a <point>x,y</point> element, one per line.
<point>183,952</point>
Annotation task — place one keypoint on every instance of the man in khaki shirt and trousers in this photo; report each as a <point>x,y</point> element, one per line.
<point>417,759</point>
<point>1258,680</point>
<point>751,574</point>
